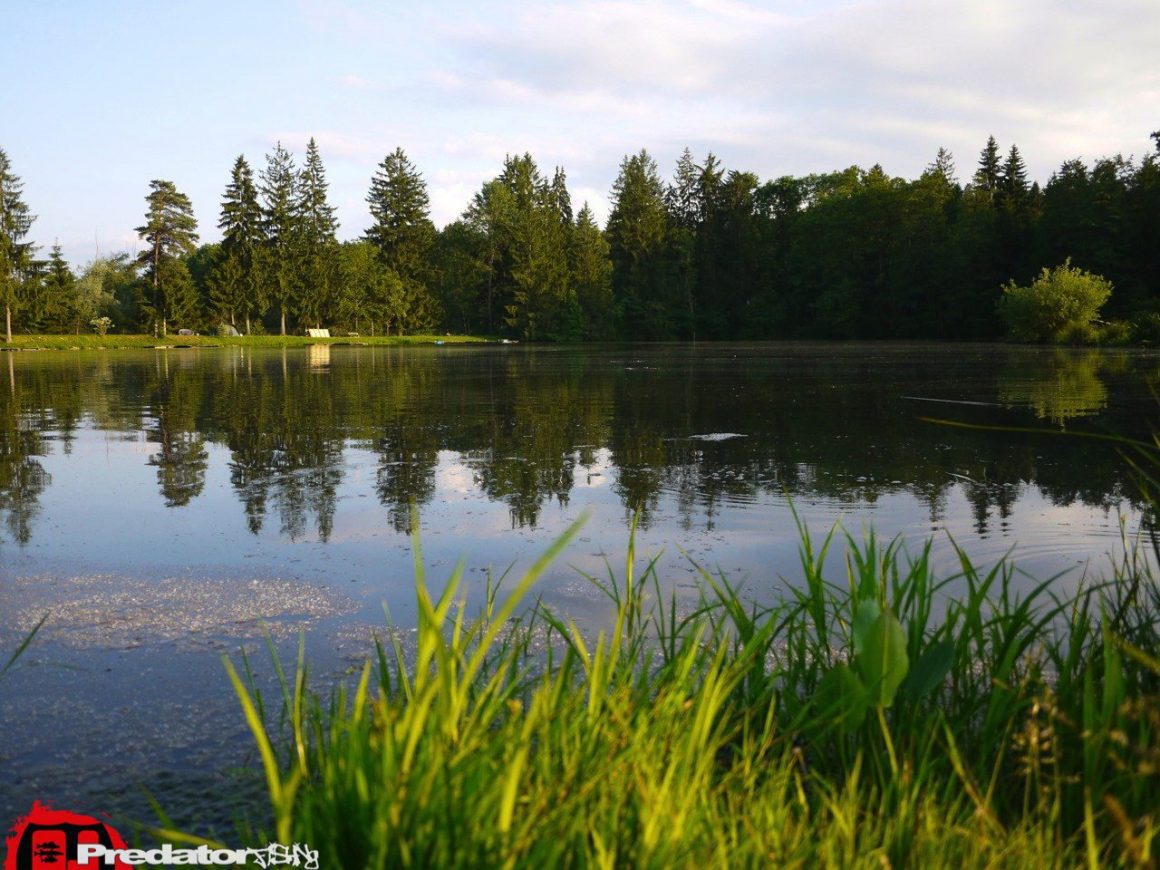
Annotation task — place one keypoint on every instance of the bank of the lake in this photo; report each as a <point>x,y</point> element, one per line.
<point>118,341</point>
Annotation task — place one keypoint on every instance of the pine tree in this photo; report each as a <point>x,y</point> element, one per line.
<point>989,173</point>
<point>943,166</point>
<point>170,230</point>
<point>636,233</point>
<point>403,232</point>
<point>236,289</point>
<point>683,196</point>
<point>560,198</point>
<point>1013,178</point>
<point>591,275</point>
<point>317,246</point>
<point>15,255</point>
<point>61,308</point>
<point>278,186</point>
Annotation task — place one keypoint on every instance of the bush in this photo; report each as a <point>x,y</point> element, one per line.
<point>1114,333</point>
<point>1058,307</point>
<point>1146,327</point>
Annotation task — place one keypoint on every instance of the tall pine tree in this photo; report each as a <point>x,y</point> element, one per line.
<point>170,230</point>
<point>236,288</point>
<point>403,233</point>
<point>317,242</point>
<point>278,186</point>
<point>15,254</point>
<point>636,233</point>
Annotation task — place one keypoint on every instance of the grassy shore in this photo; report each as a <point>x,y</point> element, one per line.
<point>112,342</point>
<point>874,723</point>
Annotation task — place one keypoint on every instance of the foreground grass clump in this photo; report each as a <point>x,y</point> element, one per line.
<point>872,724</point>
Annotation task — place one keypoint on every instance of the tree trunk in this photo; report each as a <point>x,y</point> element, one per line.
<point>8,323</point>
<point>283,313</point>
<point>247,324</point>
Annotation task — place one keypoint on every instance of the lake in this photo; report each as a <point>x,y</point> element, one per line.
<point>165,507</point>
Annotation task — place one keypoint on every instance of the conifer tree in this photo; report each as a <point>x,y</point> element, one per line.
<point>317,242</point>
<point>278,186</point>
<point>989,173</point>
<point>15,254</point>
<point>592,275</point>
<point>236,288</point>
<point>943,166</point>
<point>403,233</point>
<point>61,307</point>
<point>560,198</point>
<point>170,230</point>
<point>636,233</point>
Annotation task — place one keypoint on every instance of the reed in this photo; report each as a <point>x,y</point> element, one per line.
<point>876,722</point>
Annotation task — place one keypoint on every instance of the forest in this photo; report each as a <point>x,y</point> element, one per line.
<point>710,253</point>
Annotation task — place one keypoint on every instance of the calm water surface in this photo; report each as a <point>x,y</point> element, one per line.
<point>162,507</point>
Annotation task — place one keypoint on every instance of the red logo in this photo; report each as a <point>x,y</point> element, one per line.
<point>47,839</point>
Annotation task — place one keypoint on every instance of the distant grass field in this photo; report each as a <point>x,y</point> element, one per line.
<point>112,342</point>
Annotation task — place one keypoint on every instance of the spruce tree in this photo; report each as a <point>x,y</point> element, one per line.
<point>560,198</point>
<point>591,275</point>
<point>236,288</point>
<point>278,186</point>
<point>402,231</point>
<point>1013,178</point>
<point>15,254</point>
<point>317,242</point>
<point>683,196</point>
<point>170,230</point>
<point>989,173</point>
<point>61,308</point>
<point>636,233</point>
<point>943,166</point>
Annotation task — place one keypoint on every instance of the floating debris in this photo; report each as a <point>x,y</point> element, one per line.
<point>717,436</point>
<point>110,611</point>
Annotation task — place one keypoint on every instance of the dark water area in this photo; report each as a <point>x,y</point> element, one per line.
<point>165,507</point>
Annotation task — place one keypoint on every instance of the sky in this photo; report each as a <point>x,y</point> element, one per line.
<point>102,96</point>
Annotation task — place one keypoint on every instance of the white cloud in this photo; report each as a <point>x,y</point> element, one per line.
<point>358,83</point>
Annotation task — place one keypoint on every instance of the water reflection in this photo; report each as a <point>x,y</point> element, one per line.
<point>530,425</point>
<point>1060,386</point>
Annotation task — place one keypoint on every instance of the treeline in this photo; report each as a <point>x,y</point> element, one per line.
<point>712,253</point>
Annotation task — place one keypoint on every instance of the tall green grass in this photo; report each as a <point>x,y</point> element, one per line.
<point>879,722</point>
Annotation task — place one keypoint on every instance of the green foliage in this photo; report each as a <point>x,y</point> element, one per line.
<point>170,231</point>
<point>716,253</point>
<point>525,229</point>
<point>235,287</point>
<point>837,727</point>
<point>15,254</point>
<point>277,261</point>
<point>1060,306</point>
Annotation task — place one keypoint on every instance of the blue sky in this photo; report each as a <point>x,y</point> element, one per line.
<point>101,96</point>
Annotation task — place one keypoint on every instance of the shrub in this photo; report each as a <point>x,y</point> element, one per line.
<point>1059,306</point>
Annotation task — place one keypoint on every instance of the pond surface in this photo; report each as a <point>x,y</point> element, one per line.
<point>164,507</point>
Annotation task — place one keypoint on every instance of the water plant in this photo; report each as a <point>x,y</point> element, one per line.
<point>883,721</point>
